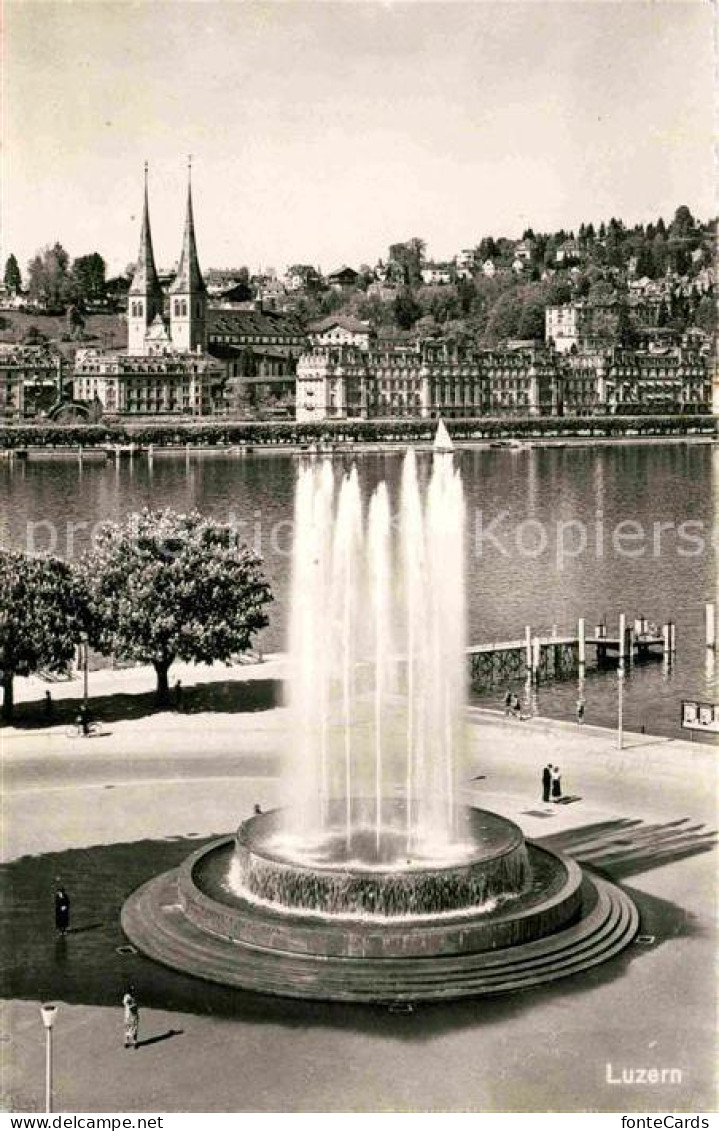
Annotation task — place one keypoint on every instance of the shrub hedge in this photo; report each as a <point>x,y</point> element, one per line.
<point>290,432</point>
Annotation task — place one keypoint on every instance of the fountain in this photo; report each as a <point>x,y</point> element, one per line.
<point>373,880</point>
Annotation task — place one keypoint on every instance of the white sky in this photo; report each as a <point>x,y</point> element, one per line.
<point>321,132</point>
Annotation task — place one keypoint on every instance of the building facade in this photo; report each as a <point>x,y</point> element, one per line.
<point>430,378</point>
<point>564,325</point>
<point>425,379</point>
<point>31,382</point>
<point>162,384</point>
<point>340,329</point>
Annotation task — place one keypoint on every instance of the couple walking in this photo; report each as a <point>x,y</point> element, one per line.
<point>551,783</point>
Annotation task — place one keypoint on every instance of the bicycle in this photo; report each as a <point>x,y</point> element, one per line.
<point>76,730</point>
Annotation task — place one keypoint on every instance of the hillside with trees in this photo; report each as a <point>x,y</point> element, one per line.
<point>658,275</point>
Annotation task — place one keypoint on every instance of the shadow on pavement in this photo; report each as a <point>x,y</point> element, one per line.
<point>626,847</point>
<point>85,966</point>
<point>160,1037</point>
<point>228,696</point>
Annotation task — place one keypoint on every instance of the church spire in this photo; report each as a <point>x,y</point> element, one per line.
<point>189,277</point>
<point>188,295</point>
<point>145,281</point>
<point>145,299</point>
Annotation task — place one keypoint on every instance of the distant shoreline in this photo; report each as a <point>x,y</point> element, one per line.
<point>122,439</point>
<point>104,453</point>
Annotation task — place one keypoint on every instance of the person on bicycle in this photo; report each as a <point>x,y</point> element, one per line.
<point>83,721</point>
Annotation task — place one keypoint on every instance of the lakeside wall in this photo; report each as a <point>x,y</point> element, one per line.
<point>222,432</point>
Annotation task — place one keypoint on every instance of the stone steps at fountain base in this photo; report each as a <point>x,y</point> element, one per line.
<point>154,921</point>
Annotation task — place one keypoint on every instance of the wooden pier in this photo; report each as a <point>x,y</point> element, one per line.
<point>558,655</point>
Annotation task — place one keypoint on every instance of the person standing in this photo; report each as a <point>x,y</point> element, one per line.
<point>508,703</point>
<point>556,784</point>
<point>546,783</point>
<point>131,1014</point>
<point>62,909</point>
<point>580,711</point>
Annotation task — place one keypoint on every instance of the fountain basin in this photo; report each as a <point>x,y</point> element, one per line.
<point>212,899</point>
<point>371,875</point>
<point>562,922</point>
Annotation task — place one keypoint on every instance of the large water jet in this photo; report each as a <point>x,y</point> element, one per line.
<point>373,856</point>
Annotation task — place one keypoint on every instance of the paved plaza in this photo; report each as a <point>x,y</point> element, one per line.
<point>106,813</point>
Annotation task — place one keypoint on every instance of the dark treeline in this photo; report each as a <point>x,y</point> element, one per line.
<point>211,434</point>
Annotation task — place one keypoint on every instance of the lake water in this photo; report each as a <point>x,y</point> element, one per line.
<point>552,534</point>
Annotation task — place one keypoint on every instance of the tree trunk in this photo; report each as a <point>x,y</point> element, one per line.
<point>162,667</point>
<point>7,699</point>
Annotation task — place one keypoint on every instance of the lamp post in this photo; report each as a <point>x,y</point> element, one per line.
<point>620,680</point>
<point>48,1012</point>
<point>85,663</point>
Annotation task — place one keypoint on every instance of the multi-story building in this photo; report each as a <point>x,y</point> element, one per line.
<point>437,274</point>
<point>437,377</point>
<point>160,384</point>
<point>423,379</point>
<point>564,325</point>
<point>31,382</point>
<point>466,263</point>
<point>622,381</point>
<point>256,329</point>
<point>340,329</point>
<point>674,380</point>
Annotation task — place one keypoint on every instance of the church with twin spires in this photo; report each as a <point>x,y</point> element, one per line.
<point>166,369</point>
<point>184,330</point>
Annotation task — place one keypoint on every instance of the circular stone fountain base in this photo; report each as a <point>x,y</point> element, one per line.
<point>382,877</point>
<point>563,921</point>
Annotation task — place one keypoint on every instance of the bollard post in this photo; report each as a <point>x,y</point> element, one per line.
<point>710,621</point>
<point>536,657</point>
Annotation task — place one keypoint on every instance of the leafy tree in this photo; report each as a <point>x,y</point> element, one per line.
<point>42,616</point>
<point>407,259</point>
<point>164,586</point>
<point>624,332</point>
<point>645,263</point>
<point>406,309</point>
<point>503,321</point>
<point>33,336</point>
<point>705,316</point>
<point>488,249</point>
<point>48,278</point>
<point>75,320</point>
<point>683,223</point>
<point>88,278</point>
<point>13,278</point>
<point>531,319</point>
<point>466,295</point>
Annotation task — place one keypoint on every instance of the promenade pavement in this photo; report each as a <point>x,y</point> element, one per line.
<point>109,810</point>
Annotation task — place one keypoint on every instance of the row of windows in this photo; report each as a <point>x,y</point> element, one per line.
<point>179,308</point>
